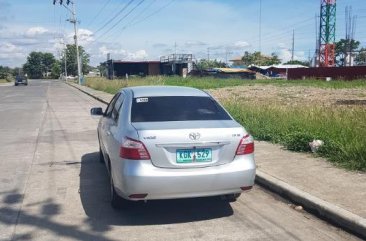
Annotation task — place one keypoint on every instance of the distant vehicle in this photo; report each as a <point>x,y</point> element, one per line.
<point>173,142</point>
<point>21,80</point>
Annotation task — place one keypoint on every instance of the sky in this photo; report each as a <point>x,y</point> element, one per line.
<point>148,29</point>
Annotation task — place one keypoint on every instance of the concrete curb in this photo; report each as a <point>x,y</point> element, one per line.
<point>86,92</point>
<point>343,218</point>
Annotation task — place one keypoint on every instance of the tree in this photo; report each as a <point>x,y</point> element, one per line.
<point>38,64</point>
<point>343,47</point>
<point>4,72</point>
<point>304,63</point>
<point>257,58</point>
<point>56,70</point>
<point>103,70</point>
<point>361,57</point>
<point>71,62</point>
<point>48,61</point>
<point>207,64</point>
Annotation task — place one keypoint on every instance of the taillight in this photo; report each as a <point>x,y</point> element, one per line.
<point>134,150</point>
<point>246,145</point>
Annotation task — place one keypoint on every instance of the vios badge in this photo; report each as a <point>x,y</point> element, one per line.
<point>194,136</point>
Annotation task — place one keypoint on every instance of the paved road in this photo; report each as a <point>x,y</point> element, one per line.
<point>52,186</point>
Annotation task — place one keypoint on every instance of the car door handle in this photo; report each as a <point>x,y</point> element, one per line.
<point>108,133</point>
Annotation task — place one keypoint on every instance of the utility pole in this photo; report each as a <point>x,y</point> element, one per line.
<point>260,25</point>
<point>73,20</point>
<point>293,45</point>
<point>208,54</point>
<point>65,51</point>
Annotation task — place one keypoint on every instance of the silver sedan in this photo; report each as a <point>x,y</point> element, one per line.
<point>173,142</point>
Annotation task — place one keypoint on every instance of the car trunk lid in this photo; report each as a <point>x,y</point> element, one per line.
<point>190,144</point>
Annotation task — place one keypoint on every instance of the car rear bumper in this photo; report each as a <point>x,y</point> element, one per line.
<point>141,177</point>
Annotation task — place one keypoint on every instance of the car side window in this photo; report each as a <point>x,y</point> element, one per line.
<point>109,109</point>
<point>117,107</point>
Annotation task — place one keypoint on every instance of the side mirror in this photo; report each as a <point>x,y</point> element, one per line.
<point>96,111</point>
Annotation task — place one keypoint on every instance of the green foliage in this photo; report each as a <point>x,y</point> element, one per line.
<point>341,129</point>
<point>361,57</point>
<point>207,64</point>
<point>71,62</point>
<point>212,83</point>
<point>103,70</point>
<point>344,46</point>
<point>38,64</point>
<point>305,63</point>
<point>56,70</point>
<point>112,86</point>
<point>257,58</point>
<point>4,72</point>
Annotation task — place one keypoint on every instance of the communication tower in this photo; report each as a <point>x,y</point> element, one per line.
<point>327,33</point>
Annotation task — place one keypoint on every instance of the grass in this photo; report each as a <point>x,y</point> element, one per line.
<point>3,81</point>
<point>112,86</point>
<point>343,129</point>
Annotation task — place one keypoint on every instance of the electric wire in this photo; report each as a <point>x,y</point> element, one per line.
<point>115,16</point>
<point>147,17</point>
<point>99,12</point>
<point>121,19</point>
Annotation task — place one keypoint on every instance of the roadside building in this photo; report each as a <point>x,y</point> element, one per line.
<point>174,64</point>
<point>224,73</point>
<point>279,71</point>
<point>119,68</point>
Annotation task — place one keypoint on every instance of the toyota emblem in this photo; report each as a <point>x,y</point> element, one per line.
<point>194,136</point>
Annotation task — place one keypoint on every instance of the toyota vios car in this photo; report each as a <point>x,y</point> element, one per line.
<point>173,142</point>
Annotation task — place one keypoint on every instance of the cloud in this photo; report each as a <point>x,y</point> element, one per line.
<point>119,53</point>
<point>85,36</point>
<point>139,55</point>
<point>286,54</point>
<point>240,45</point>
<point>35,31</point>
<point>190,44</point>
<point>10,51</point>
<point>159,45</point>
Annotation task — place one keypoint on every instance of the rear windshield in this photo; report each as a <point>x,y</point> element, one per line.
<point>176,108</point>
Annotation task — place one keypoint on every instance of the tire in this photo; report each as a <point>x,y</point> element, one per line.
<point>231,197</point>
<point>16,84</point>
<point>116,200</point>
<point>101,156</point>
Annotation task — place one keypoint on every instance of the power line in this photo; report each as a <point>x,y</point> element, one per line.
<point>149,16</point>
<point>120,20</point>
<point>100,11</point>
<point>115,16</point>
<point>142,12</point>
<point>136,17</point>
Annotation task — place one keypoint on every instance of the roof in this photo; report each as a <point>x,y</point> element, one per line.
<point>232,70</point>
<point>279,66</point>
<point>148,91</point>
<point>135,62</point>
<point>238,58</point>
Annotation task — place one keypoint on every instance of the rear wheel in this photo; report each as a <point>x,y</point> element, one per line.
<point>101,156</point>
<point>231,197</point>
<point>115,198</point>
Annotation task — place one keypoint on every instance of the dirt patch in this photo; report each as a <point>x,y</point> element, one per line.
<point>294,95</point>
